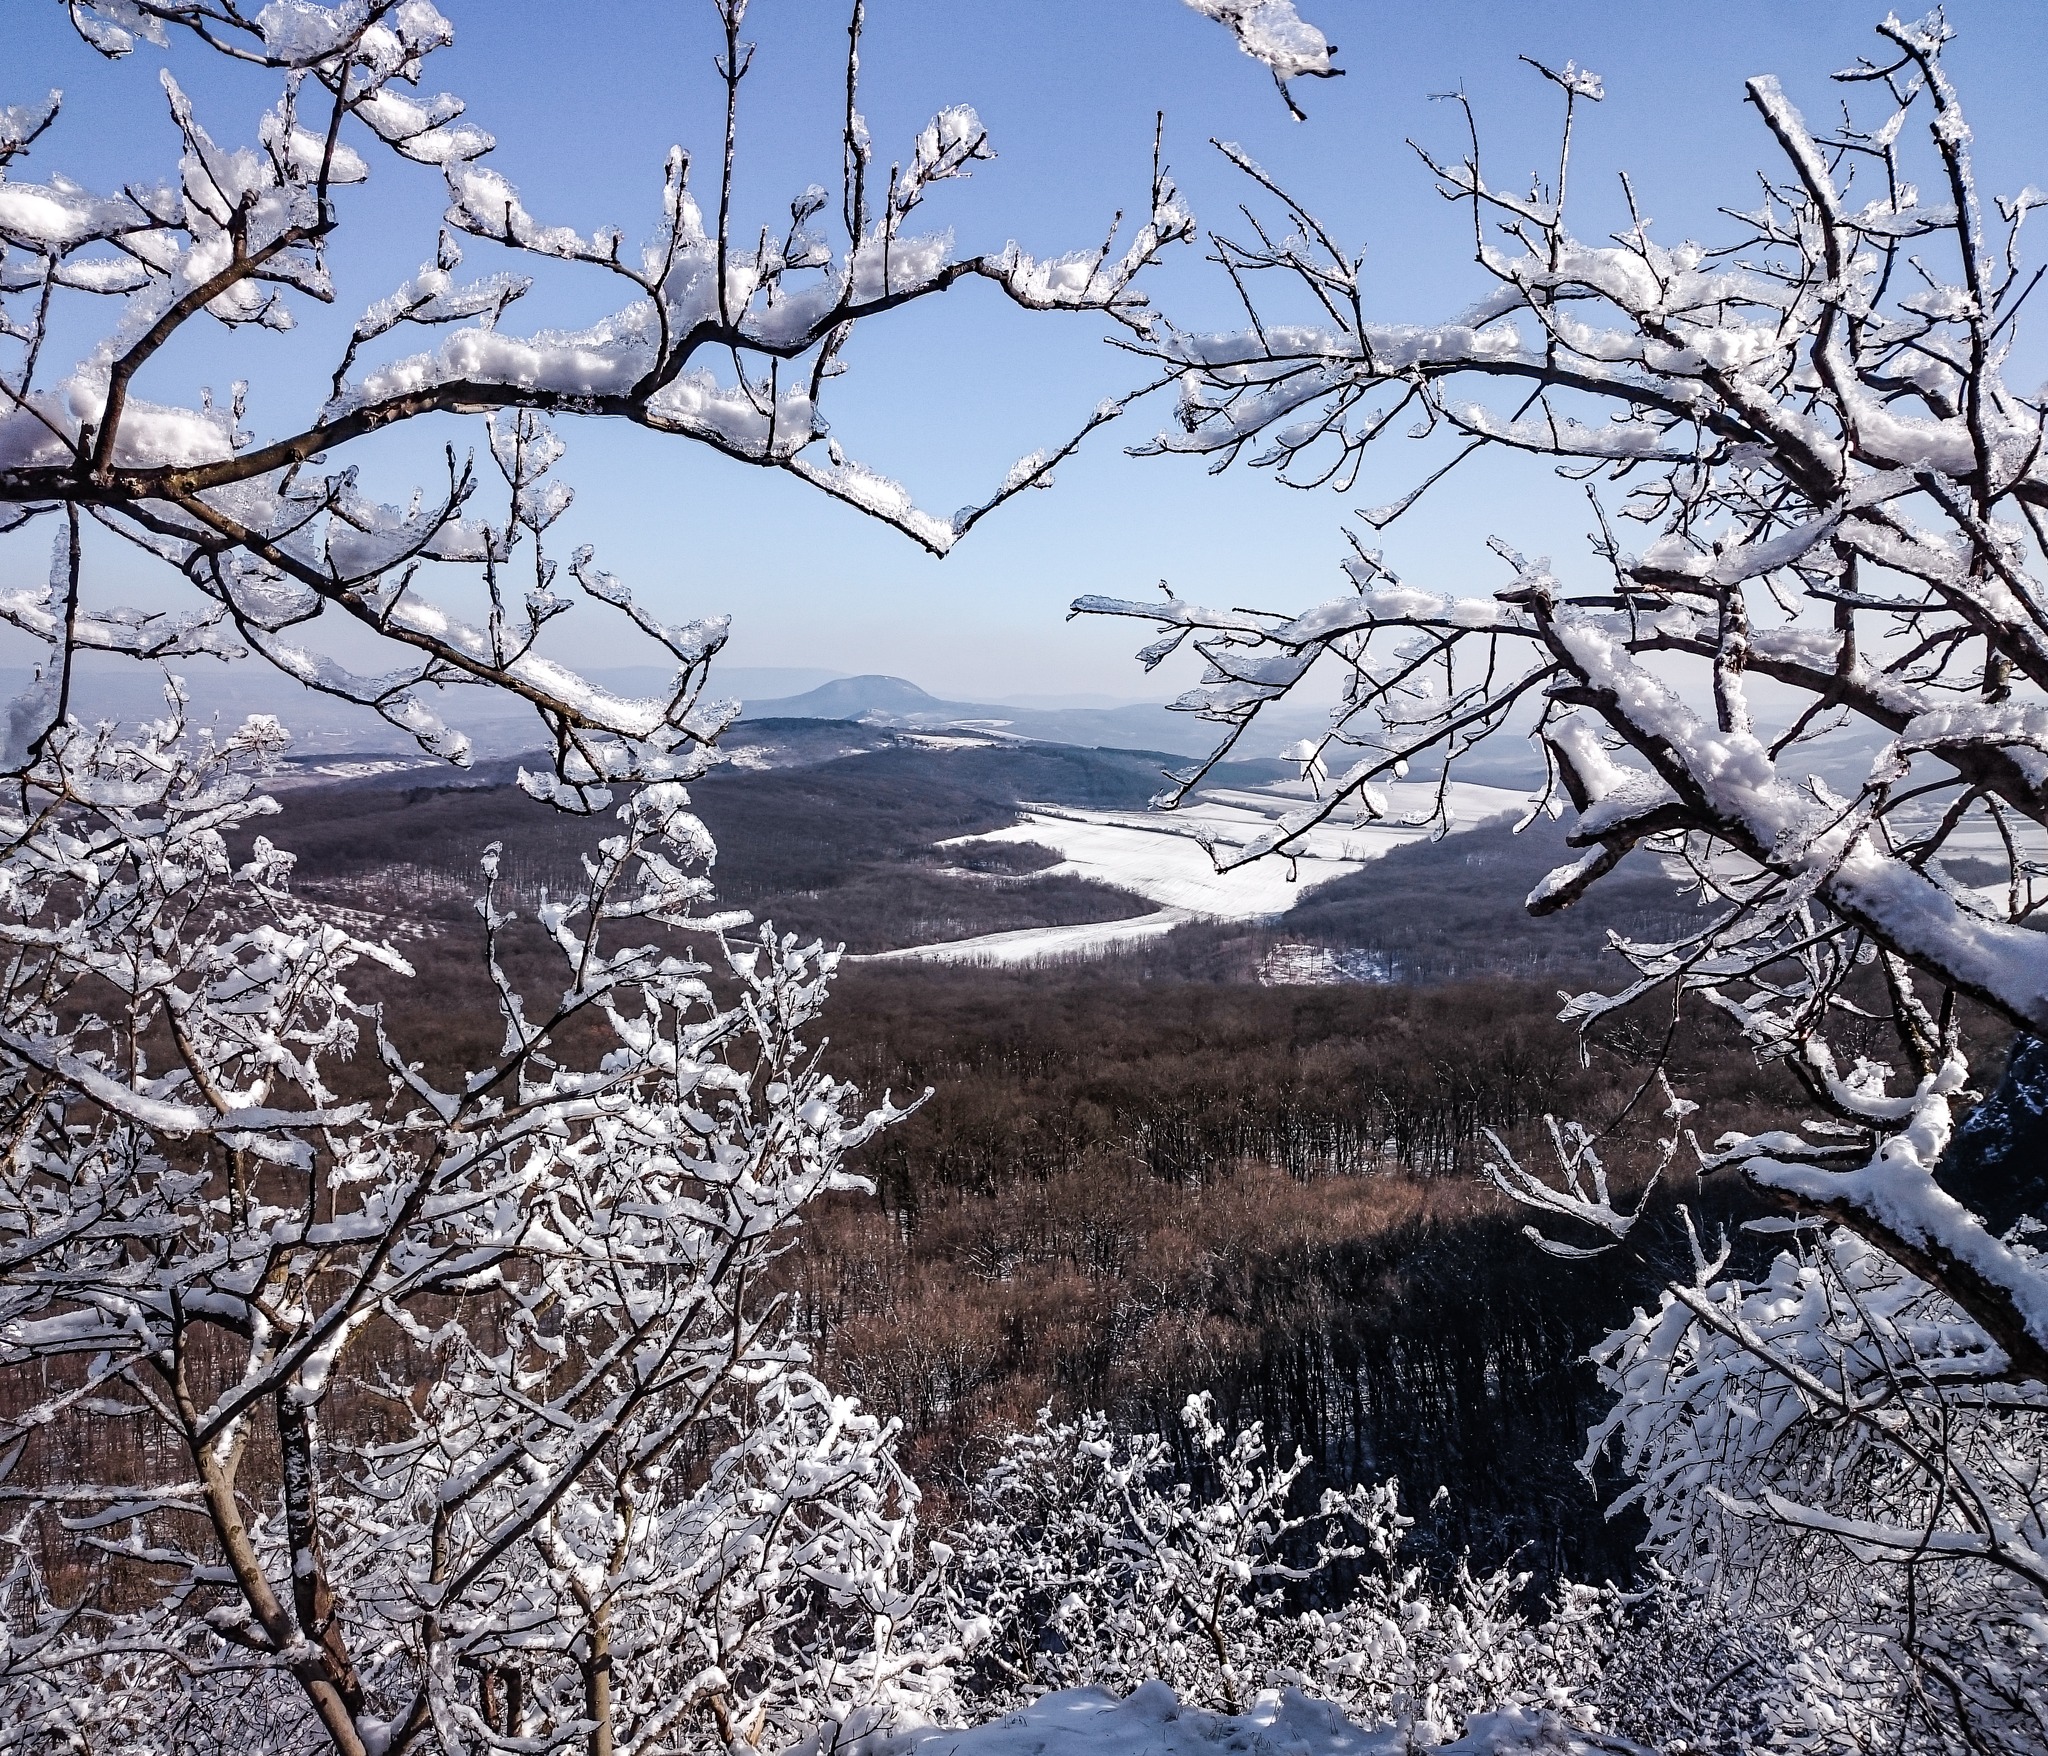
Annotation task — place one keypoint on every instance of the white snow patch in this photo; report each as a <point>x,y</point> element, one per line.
<point>1160,858</point>
<point>369,767</point>
<point>938,741</point>
<point>1151,1721</point>
<point>1130,851</point>
<point>1154,855</point>
<point>1297,965</point>
<point>1028,945</point>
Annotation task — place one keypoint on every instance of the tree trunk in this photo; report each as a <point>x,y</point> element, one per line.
<point>597,1687</point>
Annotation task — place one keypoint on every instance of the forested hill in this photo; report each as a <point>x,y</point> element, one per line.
<point>1176,1168</point>
<point>1170,1170</point>
<point>840,846</point>
<point>831,829</point>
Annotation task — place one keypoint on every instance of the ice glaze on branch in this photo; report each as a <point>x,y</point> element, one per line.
<point>1844,496</point>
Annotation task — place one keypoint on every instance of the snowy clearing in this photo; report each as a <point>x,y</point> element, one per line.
<point>1165,865</point>
<point>1038,944</point>
<point>1317,966</point>
<point>1157,856</point>
<point>1160,855</point>
<point>1151,1721</point>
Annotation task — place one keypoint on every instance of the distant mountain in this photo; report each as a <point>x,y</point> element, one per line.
<point>500,726</point>
<point>860,697</point>
<point>893,701</point>
<point>878,700</point>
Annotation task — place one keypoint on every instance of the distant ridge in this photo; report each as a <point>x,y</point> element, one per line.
<point>499,726</point>
<point>857,697</point>
<point>895,701</point>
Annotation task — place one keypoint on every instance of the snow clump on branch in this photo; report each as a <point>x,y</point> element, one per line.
<point>1272,31</point>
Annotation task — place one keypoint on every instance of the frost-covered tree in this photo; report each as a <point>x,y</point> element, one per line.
<point>349,1403</point>
<point>1092,1562</point>
<point>349,1399</point>
<point>1817,686</point>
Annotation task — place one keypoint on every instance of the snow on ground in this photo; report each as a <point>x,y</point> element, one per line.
<point>1145,854</point>
<point>1317,966</point>
<point>1156,856</point>
<point>357,768</point>
<point>1038,944</point>
<point>761,757</point>
<point>1156,853</point>
<point>991,740</point>
<point>1150,1721</point>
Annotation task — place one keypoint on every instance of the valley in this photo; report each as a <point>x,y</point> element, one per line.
<point>1193,1133</point>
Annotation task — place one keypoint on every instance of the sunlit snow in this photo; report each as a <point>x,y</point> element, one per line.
<point>1027,945</point>
<point>1151,1721</point>
<point>1162,858</point>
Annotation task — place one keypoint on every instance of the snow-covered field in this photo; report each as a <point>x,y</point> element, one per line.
<point>1026,945</point>
<point>1156,855</point>
<point>1317,966</point>
<point>1150,1721</point>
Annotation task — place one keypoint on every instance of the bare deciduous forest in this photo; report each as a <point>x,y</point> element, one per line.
<point>1154,1175</point>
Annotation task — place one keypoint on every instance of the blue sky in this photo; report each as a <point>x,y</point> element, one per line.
<point>586,97</point>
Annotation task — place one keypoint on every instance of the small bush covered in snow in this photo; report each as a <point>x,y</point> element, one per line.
<point>1090,1562</point>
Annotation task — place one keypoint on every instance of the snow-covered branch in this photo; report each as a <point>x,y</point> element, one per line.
<point>1272,31</point>
<point>1813,689</point>
<point>723,334</point>
<point>1091,1556</point>
<point>382,1408</point>
<point>1842,495</point>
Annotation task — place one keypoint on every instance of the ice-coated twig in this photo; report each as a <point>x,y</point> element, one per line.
<point>1584,1198</point>
<point>1272,31</point>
